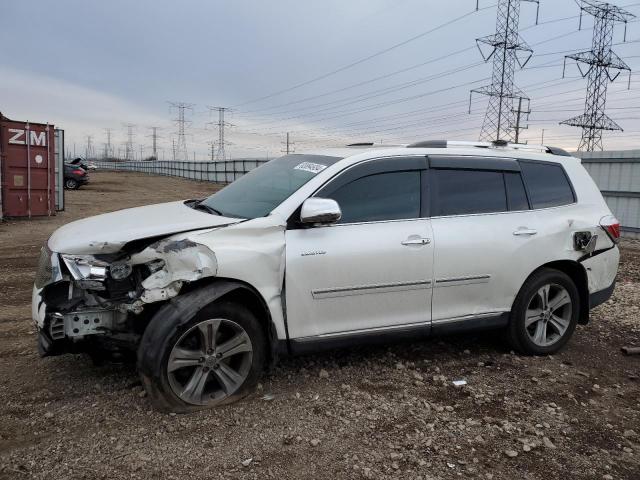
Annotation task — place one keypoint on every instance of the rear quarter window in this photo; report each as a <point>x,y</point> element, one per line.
<point>547,184</point>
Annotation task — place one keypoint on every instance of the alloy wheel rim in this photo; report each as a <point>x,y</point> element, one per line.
<point>210,361</point>
<point>548,315</point>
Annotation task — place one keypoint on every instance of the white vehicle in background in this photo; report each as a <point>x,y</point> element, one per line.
<point>332,249</point>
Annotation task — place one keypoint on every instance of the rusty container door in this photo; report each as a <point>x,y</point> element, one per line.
<point>28,168</point>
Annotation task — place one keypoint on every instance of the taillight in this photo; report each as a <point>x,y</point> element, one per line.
<point>611,225</point>
<point>79,171</point>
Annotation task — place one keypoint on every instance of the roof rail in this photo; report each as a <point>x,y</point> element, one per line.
<point>495,144</point>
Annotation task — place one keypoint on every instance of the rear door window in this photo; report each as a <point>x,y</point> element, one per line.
<point>459,192</point>
<point>547,184</point>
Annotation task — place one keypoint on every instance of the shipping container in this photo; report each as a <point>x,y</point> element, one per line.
<point>27,163</point>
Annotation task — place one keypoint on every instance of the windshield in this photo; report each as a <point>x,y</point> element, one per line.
<point>261,190</point>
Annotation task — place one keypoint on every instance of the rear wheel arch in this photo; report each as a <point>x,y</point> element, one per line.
<point>578,275</point>
<point>544,314</point>
<point>576,271</point>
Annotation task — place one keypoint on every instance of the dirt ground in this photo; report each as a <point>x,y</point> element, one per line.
<point>384,412</point>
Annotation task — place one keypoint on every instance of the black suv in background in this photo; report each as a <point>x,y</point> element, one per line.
<point>74,176</point>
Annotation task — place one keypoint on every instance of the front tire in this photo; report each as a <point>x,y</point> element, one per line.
<point>213,359</point>
<point>544,314</point>
<point>71,184</point>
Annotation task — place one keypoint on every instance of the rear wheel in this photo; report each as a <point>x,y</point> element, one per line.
<point>214,359</point>
<point>545,313</point>
<point>71,184</point>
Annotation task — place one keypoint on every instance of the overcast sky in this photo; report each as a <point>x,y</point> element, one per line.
<point>90,65</point>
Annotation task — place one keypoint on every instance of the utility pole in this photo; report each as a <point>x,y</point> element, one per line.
<point>221,124</point>
<point>181,145</point>
<point>154,142</point>
<point>518,113</point>
<point>505,45</point>
<point>288,146</point>
<point>601,62</point>
<point>141,152</point>
<point>128,146</point>
<point>173,148</point>
<point>542,139</point>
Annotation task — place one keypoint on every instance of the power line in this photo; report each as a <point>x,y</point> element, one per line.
<point>364,82</point>
<point>365,59</point>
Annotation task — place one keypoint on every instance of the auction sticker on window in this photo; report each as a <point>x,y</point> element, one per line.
<point>310,167</point>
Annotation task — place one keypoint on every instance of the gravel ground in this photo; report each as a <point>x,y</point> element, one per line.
<point>385,412</point>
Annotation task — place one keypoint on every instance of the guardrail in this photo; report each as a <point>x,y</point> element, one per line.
<point>225,171</point>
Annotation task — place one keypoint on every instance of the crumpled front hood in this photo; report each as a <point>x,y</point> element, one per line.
<point>107,233</point>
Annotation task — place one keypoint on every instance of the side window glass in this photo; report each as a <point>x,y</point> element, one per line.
<point>461,192</point>
<point>516,195</point>
<point>383,196</point>
<point>547,184</point>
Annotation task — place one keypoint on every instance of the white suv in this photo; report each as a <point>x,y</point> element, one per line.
<point>332,249</point>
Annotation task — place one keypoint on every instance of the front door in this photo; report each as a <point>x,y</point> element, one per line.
<point>373,269</point>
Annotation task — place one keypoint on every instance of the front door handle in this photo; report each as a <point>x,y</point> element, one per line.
<point>525,231</point>
<point>416,241</point>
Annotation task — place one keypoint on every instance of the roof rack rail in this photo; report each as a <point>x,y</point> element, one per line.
<point>361,144</point>
<point>495,144</point>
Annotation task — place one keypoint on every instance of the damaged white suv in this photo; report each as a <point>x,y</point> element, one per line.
<point>331,249</point>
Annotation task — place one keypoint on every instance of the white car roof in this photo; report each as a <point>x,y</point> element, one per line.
<point>357,153</point>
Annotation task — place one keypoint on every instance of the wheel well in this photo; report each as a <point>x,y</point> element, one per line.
<point>249,297</point>
<point>578,274</point>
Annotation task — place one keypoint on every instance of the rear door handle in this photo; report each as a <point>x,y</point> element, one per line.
<point>525,231</point>
<point>416,241</point>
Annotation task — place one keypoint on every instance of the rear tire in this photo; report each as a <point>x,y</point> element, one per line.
<point>215,358</point>
<point>545,313</point>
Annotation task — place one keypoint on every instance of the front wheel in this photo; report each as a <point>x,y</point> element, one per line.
<point>545,313</point>
<point>215,358</point>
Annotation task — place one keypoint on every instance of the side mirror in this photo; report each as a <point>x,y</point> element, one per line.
<point>322,211</point>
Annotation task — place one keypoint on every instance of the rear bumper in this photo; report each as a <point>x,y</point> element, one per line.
<point>601,296</point>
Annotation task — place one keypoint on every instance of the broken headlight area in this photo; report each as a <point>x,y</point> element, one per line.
<point>95,296</point>
<point>110,298</point>
<point>109,281</point>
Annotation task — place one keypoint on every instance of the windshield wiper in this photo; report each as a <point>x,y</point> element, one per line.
<point>206,208</point>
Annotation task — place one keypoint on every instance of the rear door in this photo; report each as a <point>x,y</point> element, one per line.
<point>483,230</point>
<point>372,270</point>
